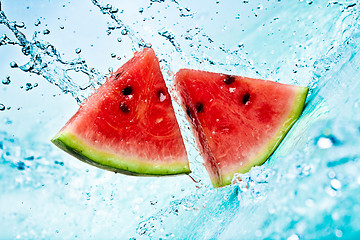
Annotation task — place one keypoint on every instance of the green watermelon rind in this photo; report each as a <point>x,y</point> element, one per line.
<point>76,147</point>
<point>269,149</point>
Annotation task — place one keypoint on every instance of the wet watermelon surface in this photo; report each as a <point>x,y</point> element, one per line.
<point>239,118</point>
<point>131,117</point>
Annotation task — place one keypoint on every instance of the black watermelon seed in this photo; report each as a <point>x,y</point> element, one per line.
<point>246,98</point>
<point>199,107</point>
<point>127,91</point>
<point>188,112</point>
<point>229,79</point>
<point>124,108</point>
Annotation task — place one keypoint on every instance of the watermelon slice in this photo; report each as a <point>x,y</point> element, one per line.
<point>128,125</point>
<point>238,122</point>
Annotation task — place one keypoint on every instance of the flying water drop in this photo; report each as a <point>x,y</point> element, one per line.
<point>6,81</point>
<point>13,64</point>
<point>37,23</point>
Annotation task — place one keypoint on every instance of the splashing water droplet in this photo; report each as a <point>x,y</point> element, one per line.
<point>113,55</point>
<point>141,10</point>
<point>61,27</point>
<point>20,25</point>
<point>37,23</point>
<point>119,39</point>
<point>124,32</point>
<point>324,143</point>
<point>110,69</point>
<point>2,107</point>
<point>78,50</point>
<point>13,64</point>
<point>293,237</point>
<point>6,81</point>
<point>335,184</point>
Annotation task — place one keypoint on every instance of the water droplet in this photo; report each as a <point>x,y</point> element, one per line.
<point>335,184</point>
<point>148,45</point>
<point>2,107</point>
<point>258,233</point>
<point>324,143</point>
<point>61,27</point>
<point>124,32</point>
<point>119,39</point>
<point>113,55</point>
<point>338,233</point>
<point>141,10</point>
<point>28,86</point>
<point>6,81</point>
<point>20,25</point>
<point>46,31</point>
<point>13,64</point>
<point>331,174</point>
<point>306,170</point>
<point>78,50</point>
<point>114,10</point>
<point>110,69</point>
<point>118,58</point>
<point>293,237</point>
<point>37,23</point>
<point>20,166</point>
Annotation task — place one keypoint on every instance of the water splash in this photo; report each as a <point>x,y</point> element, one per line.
<point>307,190</point>
<point>45,60</point>
<point>108,9</point>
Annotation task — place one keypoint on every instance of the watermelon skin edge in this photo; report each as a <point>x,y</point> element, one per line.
<point>71,144</point>
<point>272,144</point>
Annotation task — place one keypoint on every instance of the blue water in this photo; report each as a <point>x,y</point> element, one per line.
<point>55,53</point>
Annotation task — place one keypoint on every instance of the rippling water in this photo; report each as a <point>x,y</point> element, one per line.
<point>55,53</point>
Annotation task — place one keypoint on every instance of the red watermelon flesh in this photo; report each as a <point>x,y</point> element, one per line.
<point>128,125</point>
<point>238,122</point>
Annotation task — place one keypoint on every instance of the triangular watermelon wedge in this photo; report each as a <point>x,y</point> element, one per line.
<point>128,125</point>
<point>238,122</point>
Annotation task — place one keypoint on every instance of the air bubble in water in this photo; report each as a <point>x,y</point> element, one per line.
<point>13,64</point>
<point>78,50</point>
<point>6,81</point>
<point>46,31</point>
<point>338,233</point>
<point>2,107</point>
